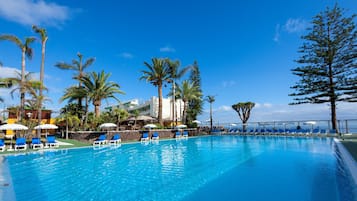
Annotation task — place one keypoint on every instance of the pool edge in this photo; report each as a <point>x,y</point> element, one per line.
<point>348,160</point>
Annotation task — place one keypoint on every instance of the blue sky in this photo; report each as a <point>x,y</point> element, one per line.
<point>245,49</point>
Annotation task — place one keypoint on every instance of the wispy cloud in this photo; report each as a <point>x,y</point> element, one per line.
<point>29,12</point>
<point>295,25</point>
<point>291,26</point>
<point>229,83</point>
<point>277,33</point>
<point>167,49</point>
<point>126,55</point>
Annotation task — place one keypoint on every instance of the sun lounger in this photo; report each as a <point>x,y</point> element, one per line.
<point>155,136</point>
<point>145,137</point>
<point>2,145</point>
<point>102,139</point>
<point>20,144</point>
<point>178,134</point>
<point>185,134</point>
<point>115,139</point>
<point>51,142</point>
<point>36,143</point>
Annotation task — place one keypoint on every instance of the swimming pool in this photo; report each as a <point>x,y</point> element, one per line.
<point>205,168</point>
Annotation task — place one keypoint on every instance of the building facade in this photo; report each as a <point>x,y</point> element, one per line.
<point>151,108</point>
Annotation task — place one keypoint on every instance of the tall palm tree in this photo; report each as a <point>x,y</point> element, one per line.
<point>210,99</point>
<point>187,91</point>
<point>98,88</point>
<point>175,73</point>
<point>79,67</point>
<point>43,34</point>
<point>157,74</point>
<point>26,51</point>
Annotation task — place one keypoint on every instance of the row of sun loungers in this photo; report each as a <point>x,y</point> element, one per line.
<point>20,144</point>
<point>102,139</point>
<point>293,132</point>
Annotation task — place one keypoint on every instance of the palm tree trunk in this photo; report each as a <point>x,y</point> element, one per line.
<point>97,104</point>
<point>22,89</point>
<point>210,118</point>
<point>42,75</point>
<point>160,104</point>
<point>184,113</point>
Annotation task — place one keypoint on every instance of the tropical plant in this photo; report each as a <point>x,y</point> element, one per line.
<point>26,51</point>
<point>119,114</point>
<point>79,67</point>
<point>195,106</point>
<point>187,91</point>
<point>243,109</point>
<point>98,88</point>
<point>43,34</point>
<point>328,61</point>
<point>210,99</point>
<point>157,74</point>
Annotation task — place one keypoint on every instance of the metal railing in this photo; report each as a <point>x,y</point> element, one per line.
<point>346,126</point>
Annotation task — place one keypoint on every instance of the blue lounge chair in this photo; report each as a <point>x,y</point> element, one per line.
<point>178,134</point>
<point>51,142</point>
<point>155,136</point>
<point>20,144</point>
<point>115,139</point>
<point>102,139</point>
<point>185,134</point>
<point>145,137</point>
<point>2,145</point>
<point>36,143</point>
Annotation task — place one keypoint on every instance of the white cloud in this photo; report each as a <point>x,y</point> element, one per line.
<point>167,49</point>
<point>126,55</point>
<point>225,108</point>
<point>295,25</point>
<point>291,26</point>
<point>8,72</point>
<point>277,33</point>
<point>229,83</point>
<point>29,12</point>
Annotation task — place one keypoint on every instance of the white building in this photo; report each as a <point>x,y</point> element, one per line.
<point>151,108</point>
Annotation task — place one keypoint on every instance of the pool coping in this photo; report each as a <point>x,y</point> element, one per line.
<point>348,160</point>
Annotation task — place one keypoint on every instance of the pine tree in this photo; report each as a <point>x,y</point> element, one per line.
<point>328,61</point>
<point>195,105</point>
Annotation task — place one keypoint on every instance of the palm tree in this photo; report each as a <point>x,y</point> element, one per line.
<point>4,83</point>
<point>43,34</point>
<point>98,88</point>
<point>175,73</point>
<point>29,86</point>
<point>157,74</point>
<point>26,51</point>
<point>187,91</point>
<point>79,67</point>
<point>210,99</point>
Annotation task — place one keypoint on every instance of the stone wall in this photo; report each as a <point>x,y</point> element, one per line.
<point>126,135</point>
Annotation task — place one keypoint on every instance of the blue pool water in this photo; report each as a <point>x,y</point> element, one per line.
<point>206,168</point>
